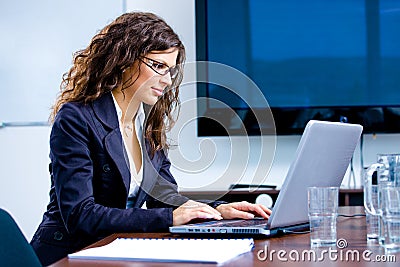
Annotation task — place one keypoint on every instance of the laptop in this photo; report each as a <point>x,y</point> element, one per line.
<point>321,159</point>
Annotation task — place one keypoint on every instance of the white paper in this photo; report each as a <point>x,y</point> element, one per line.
<point>168,250</point>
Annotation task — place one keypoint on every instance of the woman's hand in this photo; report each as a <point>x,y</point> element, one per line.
<point>243,210</point>
<point>194,210</point>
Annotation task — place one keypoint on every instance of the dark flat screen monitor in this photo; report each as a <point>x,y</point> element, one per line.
<point>311,59</point>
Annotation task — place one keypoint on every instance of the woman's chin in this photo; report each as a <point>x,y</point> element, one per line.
<point>151,101</point>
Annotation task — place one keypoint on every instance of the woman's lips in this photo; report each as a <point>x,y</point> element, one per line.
<point>158,91</point>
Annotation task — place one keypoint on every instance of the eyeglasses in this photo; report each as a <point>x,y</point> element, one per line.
<point>160,68</point>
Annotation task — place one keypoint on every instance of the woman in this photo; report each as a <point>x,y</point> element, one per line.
<point>108,144</point>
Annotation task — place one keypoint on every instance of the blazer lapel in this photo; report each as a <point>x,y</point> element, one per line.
<point>115,148</point>
<point>151,168</point>
<point>105,112</point>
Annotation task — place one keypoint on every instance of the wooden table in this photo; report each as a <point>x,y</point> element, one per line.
<point>291,249</point>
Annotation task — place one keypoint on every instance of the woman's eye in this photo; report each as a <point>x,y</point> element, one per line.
<point>158,66</point>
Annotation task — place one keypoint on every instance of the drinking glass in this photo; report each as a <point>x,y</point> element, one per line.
<point>322,213</point>
<point>372,220</point>
<point>390,229</point>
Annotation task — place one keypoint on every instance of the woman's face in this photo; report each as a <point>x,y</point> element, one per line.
<point>149,85</point>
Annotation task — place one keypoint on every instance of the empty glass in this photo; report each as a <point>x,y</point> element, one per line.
<point>322,213</point>
<point>372,220</point>
<point>390,229</point>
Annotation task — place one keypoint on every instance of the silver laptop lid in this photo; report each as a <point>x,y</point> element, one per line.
<point>322,158</point>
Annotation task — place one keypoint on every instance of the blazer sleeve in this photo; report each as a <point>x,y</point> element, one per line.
<point>165,191</point>
<point>71,144</point>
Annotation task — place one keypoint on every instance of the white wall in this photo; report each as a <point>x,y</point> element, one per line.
<point>24,181</point>
<point>38,40</point>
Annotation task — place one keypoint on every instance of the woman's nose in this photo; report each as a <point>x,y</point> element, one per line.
<point>166,79</point>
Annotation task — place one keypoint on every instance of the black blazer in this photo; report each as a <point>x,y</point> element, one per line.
<point>90,182</point>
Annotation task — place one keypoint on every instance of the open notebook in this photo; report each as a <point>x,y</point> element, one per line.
<point>168,250</point>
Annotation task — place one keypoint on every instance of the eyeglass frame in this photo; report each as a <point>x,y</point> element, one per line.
<point>168,70</point>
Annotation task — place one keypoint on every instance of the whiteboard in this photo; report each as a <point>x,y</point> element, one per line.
<point>38,39</point>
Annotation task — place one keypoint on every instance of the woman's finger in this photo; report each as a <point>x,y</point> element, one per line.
<point>254,208</point>
<point>259,210</point>
<point>235,213</point>
<point>207,208</point>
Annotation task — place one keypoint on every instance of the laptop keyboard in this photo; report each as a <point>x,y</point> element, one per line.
<point>234,223</point>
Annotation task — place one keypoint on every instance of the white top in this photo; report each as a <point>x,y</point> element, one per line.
<point>136,177</point>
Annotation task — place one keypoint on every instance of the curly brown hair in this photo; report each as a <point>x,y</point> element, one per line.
<point>98,68</point>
